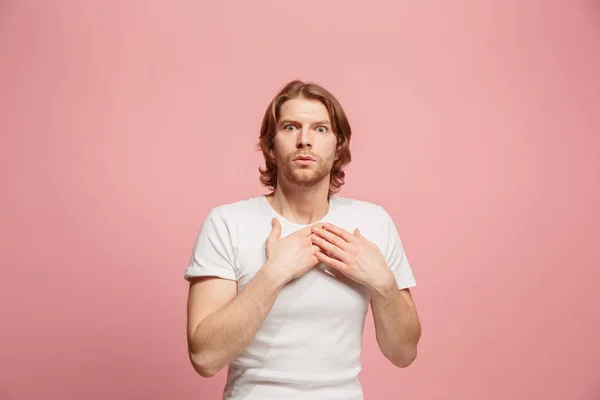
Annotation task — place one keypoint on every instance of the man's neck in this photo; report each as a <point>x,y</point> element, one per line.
<point>304,205</point>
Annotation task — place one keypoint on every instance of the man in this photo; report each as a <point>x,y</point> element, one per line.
<point>280,284</point>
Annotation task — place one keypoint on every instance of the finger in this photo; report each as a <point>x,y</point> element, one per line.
<point>329,247</point>
<point>328,254</point>
<point>332,262</point>
<point>306,231</point>
<point>332,238</point>
<point>359,235</point>
<point>276,231</point>
<point>316,249</point>
<point>344,234</point>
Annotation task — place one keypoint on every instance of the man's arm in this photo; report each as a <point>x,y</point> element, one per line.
<point>221,324</point>
<point>396,321</point>
<point>397,324</point>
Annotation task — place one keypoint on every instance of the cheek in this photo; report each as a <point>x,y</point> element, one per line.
<point>281,142</point>
<point>281,149</point>
<point>332,147</point>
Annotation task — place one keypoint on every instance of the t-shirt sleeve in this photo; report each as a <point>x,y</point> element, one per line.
<point>394,254</point>
<point>213,253</point>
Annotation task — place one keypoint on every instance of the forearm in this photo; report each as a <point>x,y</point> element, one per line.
<point>223,335</point>
<point>397,325</point>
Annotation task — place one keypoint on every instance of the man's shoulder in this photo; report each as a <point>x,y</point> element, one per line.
<point>241,208</point>
<point>355,205</point>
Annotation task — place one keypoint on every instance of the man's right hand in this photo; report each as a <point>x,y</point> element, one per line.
<point>292,256</point>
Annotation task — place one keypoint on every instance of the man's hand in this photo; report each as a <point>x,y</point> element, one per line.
<point>354,256</point>
<point>291,257</point>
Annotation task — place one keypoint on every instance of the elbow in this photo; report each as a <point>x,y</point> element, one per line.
<point>405,359</point>
<point>205,372</point>
<point>204,368</point>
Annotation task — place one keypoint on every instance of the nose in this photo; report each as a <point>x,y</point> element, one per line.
<point>303,139</point>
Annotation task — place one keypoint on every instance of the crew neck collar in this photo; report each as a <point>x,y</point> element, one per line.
<point>282,219</point>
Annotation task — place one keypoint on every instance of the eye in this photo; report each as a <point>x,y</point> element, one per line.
<point>322,129</point>
<point>288,126</point>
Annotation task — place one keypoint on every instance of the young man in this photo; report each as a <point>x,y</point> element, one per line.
<point>280,284</point>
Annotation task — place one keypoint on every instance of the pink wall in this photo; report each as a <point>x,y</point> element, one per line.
<point>476,124</point>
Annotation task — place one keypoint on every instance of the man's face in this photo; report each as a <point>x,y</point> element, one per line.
<point>304,131</point>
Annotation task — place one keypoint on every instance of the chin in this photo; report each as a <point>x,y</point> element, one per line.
<point>306,180</point>
<point>303,176</point>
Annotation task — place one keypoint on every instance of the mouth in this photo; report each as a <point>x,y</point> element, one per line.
<point>304,158</point>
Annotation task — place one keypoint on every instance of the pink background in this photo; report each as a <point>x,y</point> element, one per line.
<point>476,124</point>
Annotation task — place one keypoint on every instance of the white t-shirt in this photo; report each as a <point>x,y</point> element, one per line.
<point>309,345</point>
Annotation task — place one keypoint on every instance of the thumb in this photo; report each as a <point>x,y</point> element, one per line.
<point>360,236</point>
<point>276,232</point>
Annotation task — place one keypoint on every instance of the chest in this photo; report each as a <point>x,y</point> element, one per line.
<point>319,294</point>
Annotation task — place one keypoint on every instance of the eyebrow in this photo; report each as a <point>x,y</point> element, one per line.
<point>289,121</point>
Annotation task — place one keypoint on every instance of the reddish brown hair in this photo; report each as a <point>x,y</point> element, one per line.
<point>339,124</point>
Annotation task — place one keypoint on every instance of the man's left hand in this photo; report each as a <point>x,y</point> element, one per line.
<point>354,256</point>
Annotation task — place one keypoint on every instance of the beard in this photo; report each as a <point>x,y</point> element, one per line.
<point>304,175</point>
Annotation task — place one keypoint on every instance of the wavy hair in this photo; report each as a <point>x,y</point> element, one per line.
<point>339,124</point>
